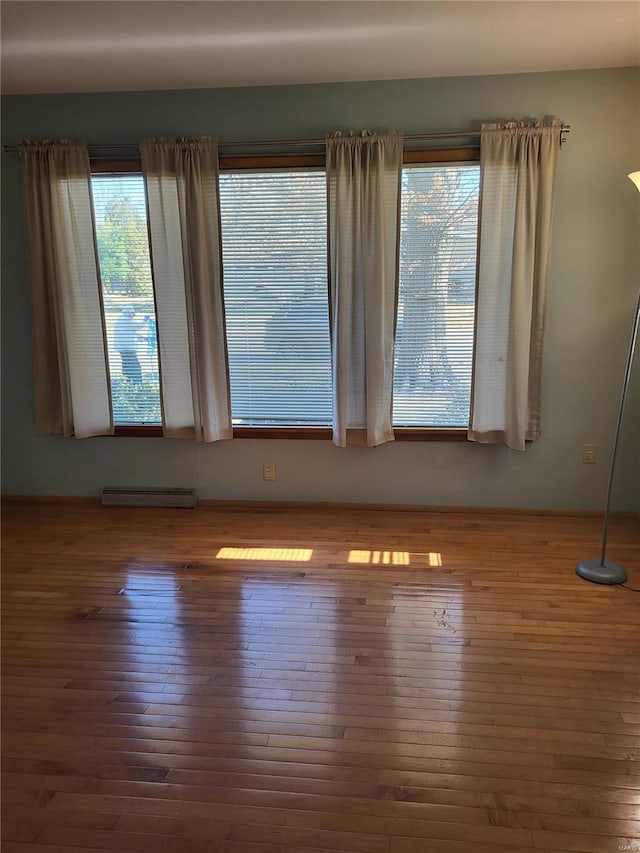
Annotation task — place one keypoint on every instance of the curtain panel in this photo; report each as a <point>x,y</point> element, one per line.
<point>518,177</point>
<point>184,222</point>
<point>70,362</point>
<point>364,174</point>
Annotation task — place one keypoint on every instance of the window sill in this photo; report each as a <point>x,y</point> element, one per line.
<point>431,434</point>
<point>137,431</point>
<point>301,433</point>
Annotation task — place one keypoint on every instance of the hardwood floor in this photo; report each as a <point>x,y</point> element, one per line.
<point>316,680</point>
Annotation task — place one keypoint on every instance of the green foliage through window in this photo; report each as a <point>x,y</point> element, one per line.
<point>123,249</point>
<point>127,294</point>
<point>135,404</point>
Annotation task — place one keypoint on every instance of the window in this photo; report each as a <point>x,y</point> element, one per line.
<point>127,295</point>
<point>436,297</point>
<point>274,247</point>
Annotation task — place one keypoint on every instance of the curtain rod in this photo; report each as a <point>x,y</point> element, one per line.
<point>234,143</point>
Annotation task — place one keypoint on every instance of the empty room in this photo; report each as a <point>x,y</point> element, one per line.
<point>320,426</point>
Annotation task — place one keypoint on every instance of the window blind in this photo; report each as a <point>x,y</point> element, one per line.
<point>127,294</point>
<point>435,326</point>
<point>274,246</point>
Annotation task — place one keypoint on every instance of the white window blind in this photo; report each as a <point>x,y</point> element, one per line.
<point>274,245</point>
<point>435,326</point>
<point>127,293</point>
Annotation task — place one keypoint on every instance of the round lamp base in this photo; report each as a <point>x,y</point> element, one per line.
<point>597,571</point>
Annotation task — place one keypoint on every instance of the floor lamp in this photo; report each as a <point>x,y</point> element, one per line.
<point>601,570</point>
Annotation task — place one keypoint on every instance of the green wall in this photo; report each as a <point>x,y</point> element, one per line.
<point>594,279</point>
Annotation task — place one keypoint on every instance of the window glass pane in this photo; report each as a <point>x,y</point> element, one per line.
<point>434,334</point>
<point>274,241</point>
<point>127,292</point>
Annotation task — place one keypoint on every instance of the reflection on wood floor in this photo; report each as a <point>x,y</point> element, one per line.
<point>268,680</point>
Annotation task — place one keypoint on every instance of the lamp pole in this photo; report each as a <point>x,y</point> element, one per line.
<point>602,570</point>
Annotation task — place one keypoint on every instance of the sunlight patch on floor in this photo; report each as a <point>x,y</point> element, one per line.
<point>385,558</point>
<point>294,555</point>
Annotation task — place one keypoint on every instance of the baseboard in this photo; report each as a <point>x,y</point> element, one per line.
<point>331,506</point>
<point>336,506</point>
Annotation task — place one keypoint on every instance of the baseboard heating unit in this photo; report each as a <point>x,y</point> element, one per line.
<point>114,496</point>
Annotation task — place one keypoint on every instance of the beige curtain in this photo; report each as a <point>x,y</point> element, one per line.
<point>364,175</point>
<point>518,177</point>
<point>70,360</point>
<point>184,223</point>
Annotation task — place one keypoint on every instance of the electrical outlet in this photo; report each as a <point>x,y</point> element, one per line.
<point>589,454</point>
<point>268,471</point>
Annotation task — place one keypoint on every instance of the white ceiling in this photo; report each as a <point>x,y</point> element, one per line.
<point>91,45</point>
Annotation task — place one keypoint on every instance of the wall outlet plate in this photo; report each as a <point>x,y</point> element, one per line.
<point>268,471</point>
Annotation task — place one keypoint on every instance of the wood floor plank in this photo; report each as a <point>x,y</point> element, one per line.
<point>233,681</point>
